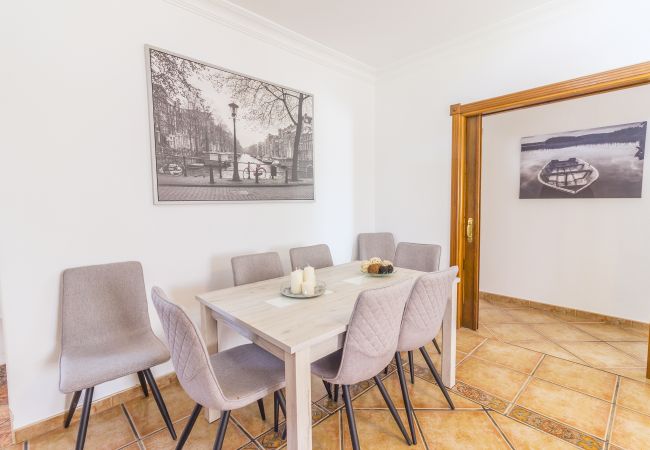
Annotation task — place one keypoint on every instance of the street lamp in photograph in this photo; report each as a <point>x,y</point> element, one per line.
<point>235,168</point>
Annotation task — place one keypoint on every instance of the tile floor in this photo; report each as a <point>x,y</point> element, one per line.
<point>532,393</point>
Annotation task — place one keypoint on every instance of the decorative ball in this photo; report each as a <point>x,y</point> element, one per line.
<point>375,260</point>
<point>374,268</point>
<point>364,266</point>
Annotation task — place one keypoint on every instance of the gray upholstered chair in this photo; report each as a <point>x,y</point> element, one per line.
<point>251,269</point>
<point>381,245</point>
<point>106,334</point>
<point>258,267</point>
<point>370,344</point>
<point>422,257</point>
<point>422,320</point>
<point>225,380</point>
<point>317,256</point>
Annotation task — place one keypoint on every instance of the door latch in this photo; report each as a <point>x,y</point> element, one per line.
<point>470,230</point>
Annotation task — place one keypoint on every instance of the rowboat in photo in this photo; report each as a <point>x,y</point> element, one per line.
<point>570,175</point>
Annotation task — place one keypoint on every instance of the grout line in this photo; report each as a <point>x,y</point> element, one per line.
<point>612,411</point>
<point>419,428</point>
<point>503,435</point>
<point>340,414</point>
<point>524,386</point>
<point>130,420</point>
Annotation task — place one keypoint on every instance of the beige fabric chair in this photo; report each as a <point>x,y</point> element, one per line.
<point>425,310</point>
<point>370,343</point>
<point>317,256</point>
<point>225,380</point>
<point>381,245</point>
<point>106,334</point>
<point>258,267</point>
<point>422,257</point>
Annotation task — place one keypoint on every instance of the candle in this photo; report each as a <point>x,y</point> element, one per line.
<point>296,281</point>
<point>309,275</point>
<point>308,288</point>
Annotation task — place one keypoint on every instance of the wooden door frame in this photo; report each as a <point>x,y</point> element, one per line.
<point>466,145</point>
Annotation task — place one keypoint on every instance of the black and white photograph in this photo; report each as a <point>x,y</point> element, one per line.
<point>218,135</point>
<point>604,162</point>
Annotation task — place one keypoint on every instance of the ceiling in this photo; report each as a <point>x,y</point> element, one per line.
<point>382,32</point>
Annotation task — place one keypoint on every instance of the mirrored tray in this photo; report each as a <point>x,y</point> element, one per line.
<point>318,291</point>
<point>380,275</point>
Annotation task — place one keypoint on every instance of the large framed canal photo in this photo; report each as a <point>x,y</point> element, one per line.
<point>605,162</point>
<point>218,135</point>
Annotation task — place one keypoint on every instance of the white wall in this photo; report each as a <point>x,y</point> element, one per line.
<point>76,181</point>
<point>558,41</point>
<point>589,254</point>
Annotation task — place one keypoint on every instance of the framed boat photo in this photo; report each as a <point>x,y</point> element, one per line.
<point>604,162</point>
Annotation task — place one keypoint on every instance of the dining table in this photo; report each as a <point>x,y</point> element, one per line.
<point>301,331</point>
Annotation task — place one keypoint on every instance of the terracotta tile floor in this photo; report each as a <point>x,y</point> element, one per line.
<point>507,396</point>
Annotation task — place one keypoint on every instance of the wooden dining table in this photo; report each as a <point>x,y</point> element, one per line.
<point>301,331</point>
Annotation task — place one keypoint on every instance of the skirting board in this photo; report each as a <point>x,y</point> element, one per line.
<point>569,312</point>
<point>52,423</point>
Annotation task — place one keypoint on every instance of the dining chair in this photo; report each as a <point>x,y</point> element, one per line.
<point>370,343</point>
<point>225,380</point>
<point>257,267</point>
<point>381,245</point>
<point>105,335</point>
<point>317,256</point>
<point>251,269</point>
<point>422,257</point>
<point>422,321</point>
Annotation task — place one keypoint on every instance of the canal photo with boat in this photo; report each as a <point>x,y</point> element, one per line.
<point>604,162</point>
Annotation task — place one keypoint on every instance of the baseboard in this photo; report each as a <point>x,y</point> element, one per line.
<point>52,423</point>
<point>568,312</point>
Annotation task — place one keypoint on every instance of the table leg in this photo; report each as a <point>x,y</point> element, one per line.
<point>211,338</point>
<point>449,340</point>
<point>297,370</point>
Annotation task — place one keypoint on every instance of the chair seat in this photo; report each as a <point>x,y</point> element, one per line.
<point>327,367</point>
<point>86,366</point>
<point>247,373</point>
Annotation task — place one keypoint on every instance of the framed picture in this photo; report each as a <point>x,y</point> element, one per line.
<point>605,162</point>
<point>221,136</point>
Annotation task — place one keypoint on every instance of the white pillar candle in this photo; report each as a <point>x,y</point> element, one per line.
<point>308,287</point>
<point>296,281</point>
<point>309,275</point>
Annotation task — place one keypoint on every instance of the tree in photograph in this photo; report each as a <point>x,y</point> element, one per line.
<point>268,104</point>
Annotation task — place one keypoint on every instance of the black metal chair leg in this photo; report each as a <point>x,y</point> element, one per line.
<point>350,413</point>
<point>143,383</point>
<point>392,409</point>
<point>411,371</point>
<point>336,393</point>
<point>276,411</point>
<point>283,407</point>
<point>436,375</point>
<point>160,402</point>
<point>435,344</point>
<point>405,395</point>
<point>188,428</point>
<point>328,388</point>
<point>73,407</point>
<point>260,405</point>
<point>85,417</point>
<point>221,434</point>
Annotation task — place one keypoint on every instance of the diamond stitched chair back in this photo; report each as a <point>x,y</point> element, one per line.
<point>381,245</point>
<point>317,256</point>
<point>257,267</point>
<point>225,380</point>
<point>422,257</point>
<point>106,334</point>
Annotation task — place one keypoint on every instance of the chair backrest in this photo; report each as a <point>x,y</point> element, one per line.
<point>425,309</point>
<point>381,245</point>
<point>317,256</point>
<point>189,354</point>
<point>422,257</point>
<point>258,267</point>
<point>102,303</point>
<point>372,335</point>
